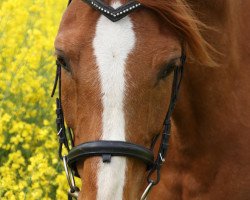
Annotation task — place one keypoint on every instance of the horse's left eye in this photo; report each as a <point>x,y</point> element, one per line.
<point>166,70</point>
<point>64,64</point>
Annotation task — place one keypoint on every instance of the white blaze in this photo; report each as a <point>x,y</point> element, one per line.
<point>113,42</point>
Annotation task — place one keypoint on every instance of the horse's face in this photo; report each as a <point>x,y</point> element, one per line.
<point>116,85</point>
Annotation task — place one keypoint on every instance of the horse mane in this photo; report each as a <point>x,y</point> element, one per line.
<point>181,18</point>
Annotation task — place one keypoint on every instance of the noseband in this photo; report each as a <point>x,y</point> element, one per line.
<point>108,149</point>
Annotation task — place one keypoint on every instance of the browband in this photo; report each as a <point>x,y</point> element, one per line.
<point>112,13</point>
<point>106,149</point>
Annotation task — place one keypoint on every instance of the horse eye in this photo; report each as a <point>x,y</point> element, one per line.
<point>166,70</point>
<point>64,64</point>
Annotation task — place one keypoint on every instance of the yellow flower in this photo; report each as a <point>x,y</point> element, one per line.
<point>28,142</point>
<point>45,122</point>
<point>5,118</point>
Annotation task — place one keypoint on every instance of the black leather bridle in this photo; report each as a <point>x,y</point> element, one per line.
<point>108,149</point>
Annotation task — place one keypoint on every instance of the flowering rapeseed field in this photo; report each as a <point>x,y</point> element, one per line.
<point>29,165</point>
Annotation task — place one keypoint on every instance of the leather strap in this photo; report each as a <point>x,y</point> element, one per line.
<point>111,13</point>
<point>108,149</point>
<point>160,159</point>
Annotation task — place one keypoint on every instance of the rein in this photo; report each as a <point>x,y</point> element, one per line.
<point>108,149</point>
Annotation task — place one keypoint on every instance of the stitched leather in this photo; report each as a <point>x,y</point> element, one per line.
<point>111,13</point>
<point>108,149</point>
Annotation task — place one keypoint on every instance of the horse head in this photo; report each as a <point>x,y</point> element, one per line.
<point>119,70</point>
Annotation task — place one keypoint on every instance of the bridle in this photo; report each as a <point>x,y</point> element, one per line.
<point>108,149</point>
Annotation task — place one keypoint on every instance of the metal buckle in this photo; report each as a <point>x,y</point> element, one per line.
<point>162,159</point>
<point>59,132</point>
<point>73,194</point>
<point>147,190</point>
<point>73,191</point>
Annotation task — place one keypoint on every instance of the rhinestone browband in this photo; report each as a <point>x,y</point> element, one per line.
<point>111,13</point>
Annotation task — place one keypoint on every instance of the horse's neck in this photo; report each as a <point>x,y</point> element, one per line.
<point>230,18</point>
<point>209,154</point>
<point>213,111</point>
<point>217,100</point>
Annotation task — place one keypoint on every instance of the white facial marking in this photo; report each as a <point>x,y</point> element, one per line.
<point>112,44</point>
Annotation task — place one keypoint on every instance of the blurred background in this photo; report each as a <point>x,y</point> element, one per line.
<point>29,164</point>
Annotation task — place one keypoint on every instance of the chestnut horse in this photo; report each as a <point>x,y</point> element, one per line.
<point>116,82</point>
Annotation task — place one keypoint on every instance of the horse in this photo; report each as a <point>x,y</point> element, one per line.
<point>119,68</point>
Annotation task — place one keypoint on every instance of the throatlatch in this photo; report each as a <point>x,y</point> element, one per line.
<point>108,149</point>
